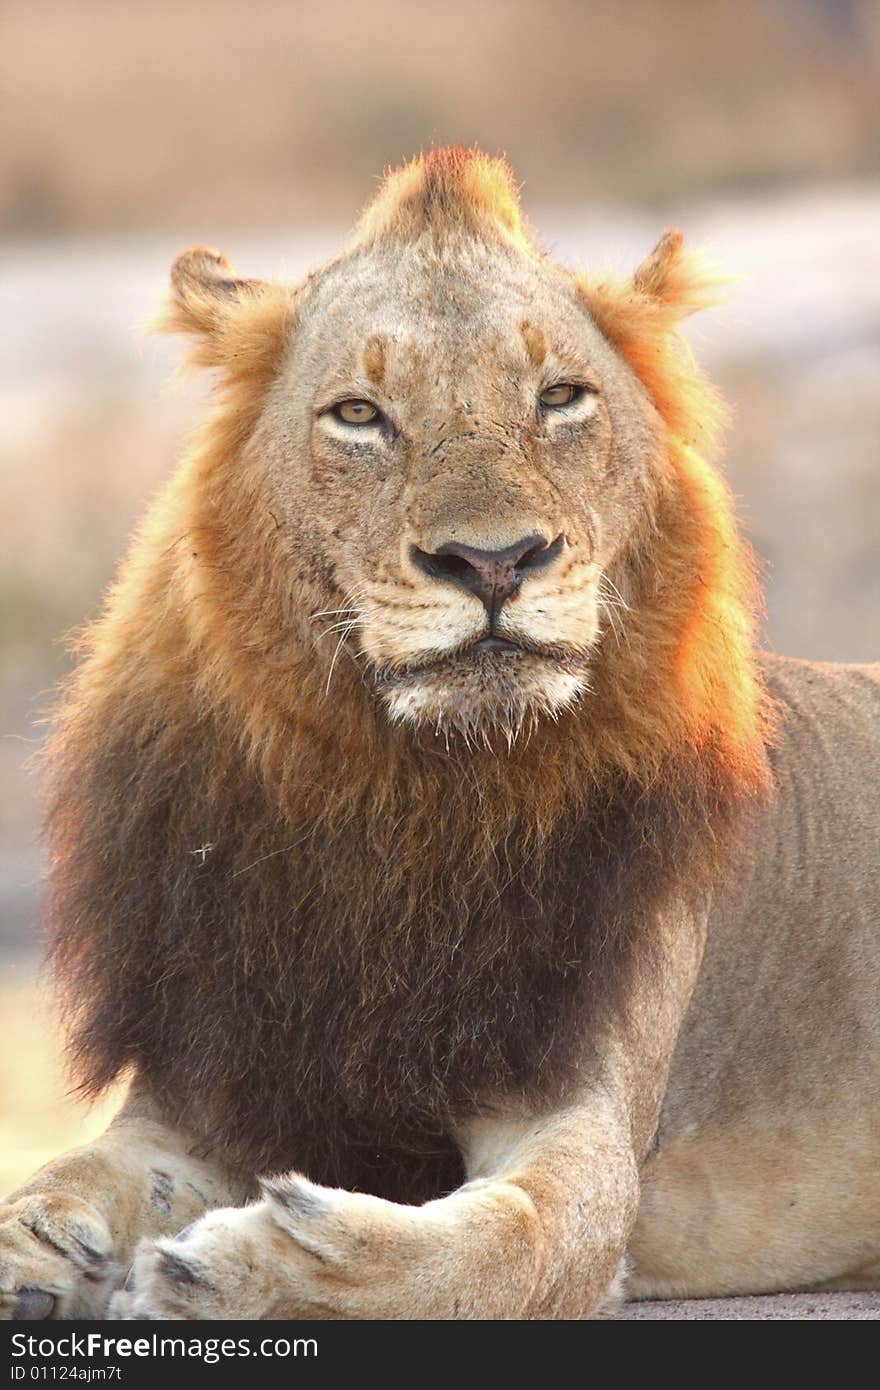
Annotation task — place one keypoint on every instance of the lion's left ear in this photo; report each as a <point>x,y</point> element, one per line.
<point>656,272</point>
<point>640,315</point>
<point>677,280</point>
<point>669,285</point>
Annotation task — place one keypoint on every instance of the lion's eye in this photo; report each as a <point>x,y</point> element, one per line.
<point>563,394</point>
<point>356,412</point>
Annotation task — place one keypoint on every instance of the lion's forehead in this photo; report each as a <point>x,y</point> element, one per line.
<point>447,317</point>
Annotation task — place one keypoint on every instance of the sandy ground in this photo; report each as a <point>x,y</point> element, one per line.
<point>780,1307</point>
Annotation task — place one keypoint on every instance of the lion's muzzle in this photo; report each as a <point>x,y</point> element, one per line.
<point>493,575</point>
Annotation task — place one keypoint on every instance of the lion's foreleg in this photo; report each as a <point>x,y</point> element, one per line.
<point>539,1229</point>
<point>68,1233</point>
<point>540,1233</point>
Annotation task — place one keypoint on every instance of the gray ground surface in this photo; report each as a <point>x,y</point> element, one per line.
<point>814,1307</point>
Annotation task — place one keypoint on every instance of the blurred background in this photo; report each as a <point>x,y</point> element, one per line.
<point>132,130</point>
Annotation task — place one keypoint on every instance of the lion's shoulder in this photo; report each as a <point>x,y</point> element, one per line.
<point>817,843</point>
<point>835,698</point>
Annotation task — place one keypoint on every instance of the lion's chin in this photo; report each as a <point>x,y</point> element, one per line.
<point>489,697</point>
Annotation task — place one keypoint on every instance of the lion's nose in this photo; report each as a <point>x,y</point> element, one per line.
<point>493,575</point>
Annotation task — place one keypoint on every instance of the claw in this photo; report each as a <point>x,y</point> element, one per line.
<point>33,1305</point>
<point>179,1270</point>
<point>94,1257</point>
<point>309,1214</point>
<point>296,1195</point>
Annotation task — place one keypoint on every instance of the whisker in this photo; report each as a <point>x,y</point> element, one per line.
<point>349,623</point>
<point>332,613</point>
<point>343,636</point>
<point>608,610</point>
<point>603,579</point>
<point>350,604</point>
<point>612,606</point>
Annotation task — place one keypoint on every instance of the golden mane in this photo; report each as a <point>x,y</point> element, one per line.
<point>363,916</point>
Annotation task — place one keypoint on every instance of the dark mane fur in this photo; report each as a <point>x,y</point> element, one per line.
<point>292,1023</point>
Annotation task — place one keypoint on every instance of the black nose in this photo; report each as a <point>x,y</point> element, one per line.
<point>493,575</point>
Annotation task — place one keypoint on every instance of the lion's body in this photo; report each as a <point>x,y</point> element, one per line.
<point>422,912</point>
<point>766,1170</point>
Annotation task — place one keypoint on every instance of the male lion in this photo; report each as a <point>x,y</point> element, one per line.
<point>423,820</point>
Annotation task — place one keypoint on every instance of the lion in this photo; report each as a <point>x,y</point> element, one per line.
<point>486,927</point>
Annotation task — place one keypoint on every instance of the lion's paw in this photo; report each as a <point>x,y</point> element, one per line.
<point>56,1258</point>
<point>201,1273</point>
<point>304,1251</point>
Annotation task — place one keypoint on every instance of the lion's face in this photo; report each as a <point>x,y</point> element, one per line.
<point>448,467</point>
<point>458,455</point>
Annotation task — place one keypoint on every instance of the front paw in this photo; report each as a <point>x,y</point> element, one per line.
<point>210,1270</point>
<point>56,1258</point>
<point>306,1251</point>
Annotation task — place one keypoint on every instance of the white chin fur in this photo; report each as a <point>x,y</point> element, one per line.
<point>507,708</point>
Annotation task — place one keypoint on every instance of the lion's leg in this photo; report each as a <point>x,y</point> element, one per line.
<point>539,1230</point>
<point>540,1234</point>
<point>67,1235</point>
<point>865,1278</point>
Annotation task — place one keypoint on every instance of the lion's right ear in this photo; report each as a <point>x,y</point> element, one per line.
<point>204,289</point>
<point>237,325</point>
